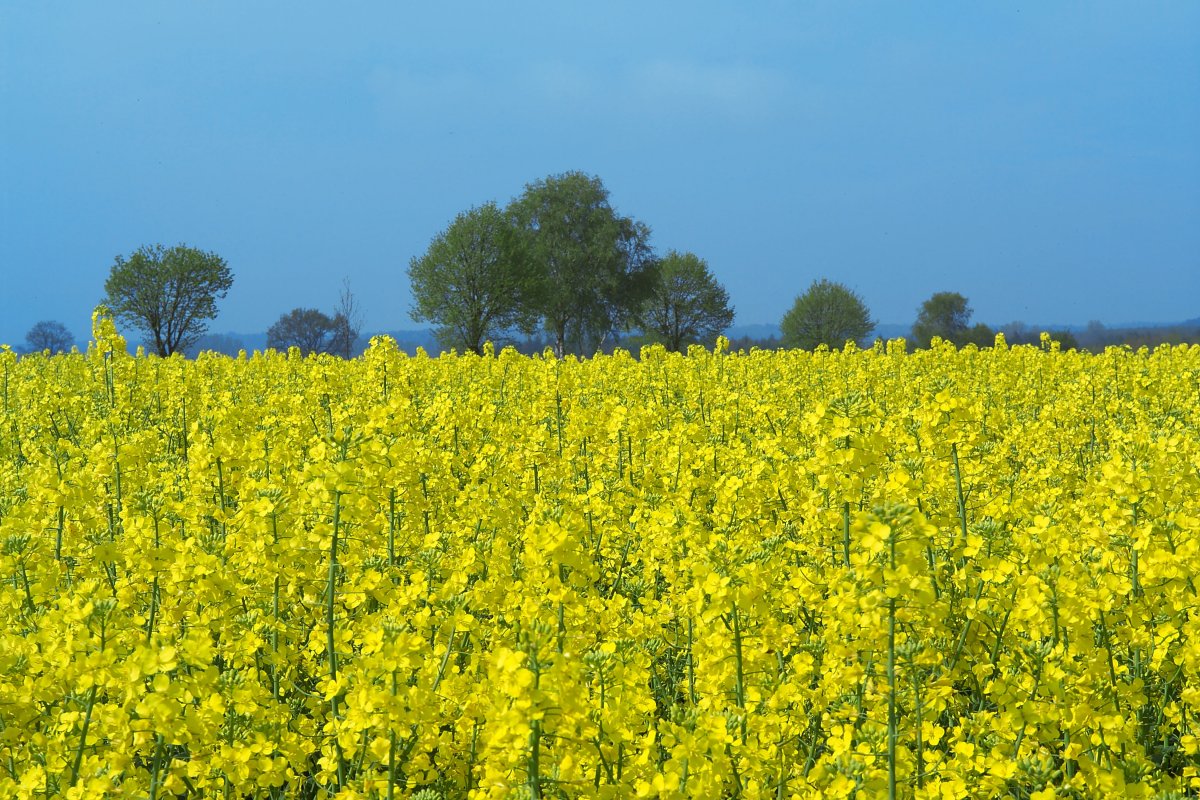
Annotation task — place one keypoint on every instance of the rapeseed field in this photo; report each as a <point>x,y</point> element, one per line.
<point>866,573</point>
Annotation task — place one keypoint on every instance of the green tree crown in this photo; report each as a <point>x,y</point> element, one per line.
<point>686,304</point>
<point>168,293</point>
<point>590,268</point>
<point>473,282</point>
<point>945,314</point>
<point>828,313</point>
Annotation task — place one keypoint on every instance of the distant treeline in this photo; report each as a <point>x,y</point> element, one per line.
<point>557,268</point>
<point>1094,338</point>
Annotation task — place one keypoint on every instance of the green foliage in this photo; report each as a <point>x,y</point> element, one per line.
<point>49,335</point>
<point>1018,332</point>
<point>828,313</point>
<point>167,293</point>
<point>686,304</point>
<point>1066,340</point>
<point>980,335</point>
<point>945,314</point>
<point>590,268</point>
<point>472,282</point>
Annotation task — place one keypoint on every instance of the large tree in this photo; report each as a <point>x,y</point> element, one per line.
<point>472,282</point>
<point>828,313</point>
<point>945,314</point>
<point>686,304</point>
<point>49,335</point>
<point>169,293</point>
<point>306,328</point>
<point>592,268</point>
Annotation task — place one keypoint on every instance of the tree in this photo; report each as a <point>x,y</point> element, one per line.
<point>828,313</point>
<point>1095,335</point>
<point>1017,332</point>
<point>169,293</point>
<point>305,328</point>
<point>347,323</point>
<point>980,335</point>
<point>223,343</point>
<point>471,283</point>
<point>945,314</point>
<point>591,268</point>
<point>49,335</point>
<point>686,303</point>
<point>1066,340</point>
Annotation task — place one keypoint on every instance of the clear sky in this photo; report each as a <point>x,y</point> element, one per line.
<point>1041,158</point>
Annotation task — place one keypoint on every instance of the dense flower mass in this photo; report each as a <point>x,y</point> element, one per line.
<point>942,574</point>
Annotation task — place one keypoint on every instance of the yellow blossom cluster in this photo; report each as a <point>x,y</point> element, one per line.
<point>867,573</point>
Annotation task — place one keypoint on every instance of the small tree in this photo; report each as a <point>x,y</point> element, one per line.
<point>347,323</point>
<point>49,335</point>
<point>980,335</point>
<point>686,304</point>
<point>223,343</point>
<point>471,283</point>
<point>1066,340</point>
<point>305,328</point>
<point>1017,332</point>
<point>828,313</point>
<point>169,293</point>
<point>945,314</point>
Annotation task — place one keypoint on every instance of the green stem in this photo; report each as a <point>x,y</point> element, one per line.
<point>153,588</point>
<point>275,617</point>
<point>739,686</point>
<point>330,643</point>
<point>846,533</point>
<point>918,722</point>
<point>891,675</point>
<point>962,503</point>
<point>535,741</point>
<point>391,790</point>
<point>391,545</point>
<point>158,748</point>
<point>87,721</point>
<point>58,536</point>
<point>691,664</point>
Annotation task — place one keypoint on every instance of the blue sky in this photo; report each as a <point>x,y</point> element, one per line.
<point>1042,159</point>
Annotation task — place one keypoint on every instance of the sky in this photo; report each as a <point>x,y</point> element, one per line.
<point>1042,159</point>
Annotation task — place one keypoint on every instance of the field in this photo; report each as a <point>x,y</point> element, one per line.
<point>937,574</point>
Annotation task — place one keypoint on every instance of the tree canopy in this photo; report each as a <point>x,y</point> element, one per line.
<point>590,268</point>
<point>49,335</point>
<point>979,334</point>
<point>314,331</point>
<point>685,305</point>
<point>827,314</point>
<point>472,281</point>
<point>945,314</point>
<point>168,293</point>
<point>306,328</point>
